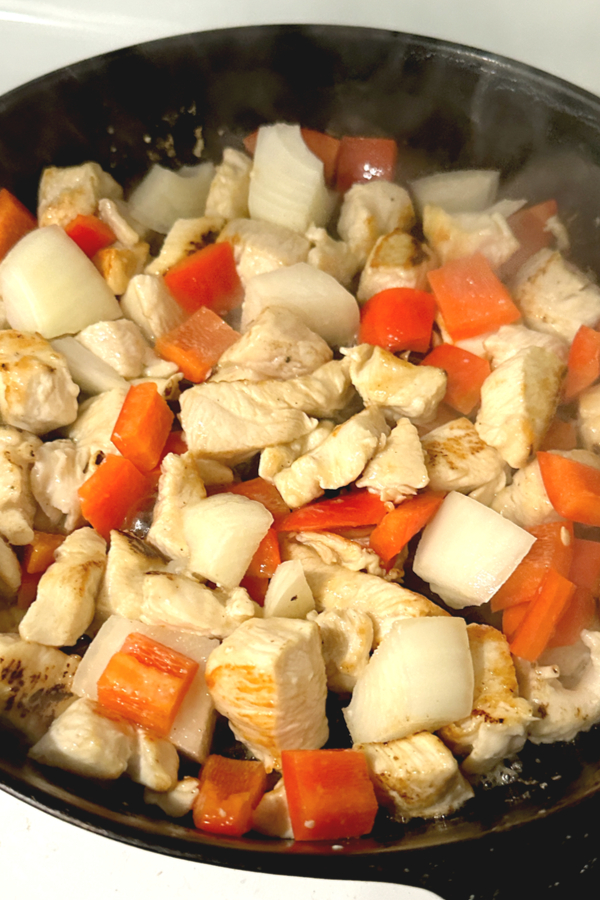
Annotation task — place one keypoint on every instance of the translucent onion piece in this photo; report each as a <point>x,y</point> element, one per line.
<point>87,370</point>
<point>223,533</point>
<point>468,551</point>
<point>466,190</point>
<point>288,593</point>
<point>287,183</point>
<point>419,679</point>
<point>50,286</point>
<point>316,298</point>
<point>164,196</point>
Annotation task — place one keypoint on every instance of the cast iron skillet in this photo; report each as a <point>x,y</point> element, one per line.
<point>448,107</point>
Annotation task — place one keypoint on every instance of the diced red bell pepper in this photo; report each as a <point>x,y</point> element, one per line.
<point>112,493</point>
<point>365,159</point>
<point>143,426</point>
<point>90,234</point>
<point>352,510</point>
<point>529,227</point>
<point>398,319</point>
<point>207,277</point>
<point>264,492</point>
<point>267,557</point>
<point>15,221</point>
<point>401,524</point>
<point>541,619</point>
<point>466,373</point>
<point>583,366</point>
<point>229,791</point>
<point>573,488</point>
<point>197,344</point>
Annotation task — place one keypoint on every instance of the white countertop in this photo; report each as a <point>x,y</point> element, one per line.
<point>41,856</point>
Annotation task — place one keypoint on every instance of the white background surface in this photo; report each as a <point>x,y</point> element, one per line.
<point>41,856</point>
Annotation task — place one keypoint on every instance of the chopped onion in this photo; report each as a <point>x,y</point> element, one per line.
<point>87,370</point>
<point>193,727</point>
<point>316,298</point>
<point>223,533</point>
<point>164,196</point>
<point>287,184</point>
<point>288,593</point>
<point>50,286</point>
<point>466,190</point>
<point>419,679</point>
<point>468,551</point>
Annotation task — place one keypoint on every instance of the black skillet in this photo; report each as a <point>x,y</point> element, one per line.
<point>448,107</point>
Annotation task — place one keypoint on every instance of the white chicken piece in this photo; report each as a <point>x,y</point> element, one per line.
<point>518,401</point>
<point>127,562</point>
<point>281,456</point>
<point>401,389</point>
<point>57,473</point>
<point>17,504</point>
<point>416,777</point>
<point>92,429</point>
<point>178,801</point>
<point>120,344</point>
<point>268,678</point>
<point>509,340</point>
<point>346,638</point>
<point>114,214</point>
<point>457,459</point>
<point>35,685</point>
<point>272,815</point>
<point>83,741</point>
<point>278,345</point>
<point>336,587</point>
<point>154,761</point>
<point>118,264</point>
<point>75,577</point>
<point>334,257</point>
<point>338,461</point>
<point>554,296</point>
<point>588,407</point>
<point>371,210</point>
<point>562,712</point>
<point>148,303</point>
<point>260,247</point>
<point>65,193</point>
<point>182,602</point>
<point>397,260</point>
<point>37,392</point>
<point>228,192</point>
<point>214,472</point>
<point>398,470</point>
<point>225,420</point>
<point>185,237</point>
<point>180,485</point>
<point>463,234</point>
<point>336,550</point>
<point>497,726</point>
<point>10,576</point>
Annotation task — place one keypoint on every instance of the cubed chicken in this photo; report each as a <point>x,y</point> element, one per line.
<point>67,193</point>
<point>416,777</point>
<point>118,264</point>
<point>556,297</point>
<point>17,503</point>
<point>180,485</point>
<point>371,210</point>
<point>336,587</point>
<point>185,237</point>
<point>524,501</point>
<point>347,638</point>
<point>281,456</point>
<point>398,470</point>
<point>10,574</point>
<point>397,260</point>
<point>224,420</point>
<point>178,801</point>
<point>261,247</point>
<point>127,562</point>
<point>114,214</point>
<point>228,192</point>
<point>120,344</point>
<point>154,761</point>
<point>511,339</point>
<point>561,712</point>
<point>336,550</point>
<point>335,463</point>
<point>497,726</point>
<point>83,741</point>
<point>148,303</point>
<point>35,685</point>
<point>463,234</point>
<point>457,459</point>
<point>518,401</point>
<point>269,679</point>
<point>92,429</point>
<point>278,345</point>
<point>75,577</point>
<point>334,257</point>
<point>588,404</point>
<point>398,387</point>
<point>57,473</point>
<point>37,392</point>
<point>272,815</point>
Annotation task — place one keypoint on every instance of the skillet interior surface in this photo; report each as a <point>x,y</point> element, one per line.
<point>448,107</point>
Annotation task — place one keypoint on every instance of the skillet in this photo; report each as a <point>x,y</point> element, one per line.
<point>448,106</point>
